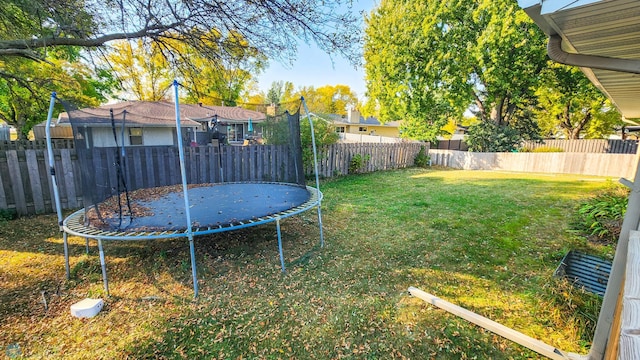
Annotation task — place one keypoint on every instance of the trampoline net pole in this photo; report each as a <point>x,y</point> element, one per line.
<point>103,265</point>
<point>56,194</point>
<point>52,171</point>
<point>187,208</point>
<point>280,244</point>
<point>315,169</point>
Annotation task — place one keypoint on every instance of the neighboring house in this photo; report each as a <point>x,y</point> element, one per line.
<point>154,123</point>
<point>354,123</point>
<point>234,123</point>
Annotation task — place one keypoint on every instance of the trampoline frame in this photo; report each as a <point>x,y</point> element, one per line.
<point>74,224</point>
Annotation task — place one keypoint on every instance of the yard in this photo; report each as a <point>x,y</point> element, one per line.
<point>487,241</point>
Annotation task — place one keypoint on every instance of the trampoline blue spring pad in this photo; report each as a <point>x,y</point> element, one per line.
<point>212,206</point>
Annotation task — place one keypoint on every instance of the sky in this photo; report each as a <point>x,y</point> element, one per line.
<point>313,67</point>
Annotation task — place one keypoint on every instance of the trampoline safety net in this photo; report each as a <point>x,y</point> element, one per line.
<point>130,166</point>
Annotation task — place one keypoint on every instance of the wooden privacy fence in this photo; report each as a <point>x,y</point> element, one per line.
<point>594,146</point>
<point>610,165</point>
<point>452,145</point>
<point>334,160</point>
<point>26,186</point>
<point>35,144</point>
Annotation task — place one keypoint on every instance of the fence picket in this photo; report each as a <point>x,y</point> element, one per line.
<point>16,180</point>
<point>69,179</point>
<point>35,180</point>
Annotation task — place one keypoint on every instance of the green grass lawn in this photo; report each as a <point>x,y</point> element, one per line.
<point>487,241</point>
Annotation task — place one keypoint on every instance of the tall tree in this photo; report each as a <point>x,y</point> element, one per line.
<point>328,99</point>
<point>429,61</point>
<point>279,91</point>
<point>29,28</point>
<point>141,69</point>
<point>24,99</point>
<point>221,82</point>
<point>571,105</point>
<point>146,69</point>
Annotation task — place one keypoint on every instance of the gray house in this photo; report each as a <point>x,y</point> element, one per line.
<point>146,123</point>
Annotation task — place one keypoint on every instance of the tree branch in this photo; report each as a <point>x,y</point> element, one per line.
<point>25,47</point>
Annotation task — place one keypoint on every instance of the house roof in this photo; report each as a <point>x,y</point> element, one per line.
<point>227,113</point>
<point>370,121</point>
<point>609,30</point>
<point>157,114</point>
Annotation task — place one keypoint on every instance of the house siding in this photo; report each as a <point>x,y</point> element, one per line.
<point>103,137</point>
<point>157,136</point>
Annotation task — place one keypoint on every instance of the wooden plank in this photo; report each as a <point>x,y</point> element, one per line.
<point>332,168</point>
<point>3,197</point>
<point>16,182</point>
<point>259,161</point>
<point>629,339</point>
<point>173,166</point>
<point>245,164</point>
<point>69,179</point>
<point>611,352</point>
<point>513,335</point>
<point>202,164</point>
<point>216,166</point>
<point>273,158</point>
<point>229,164</point>
<point>192,164</point>
<point>137,160</point>
<point>77,171</point>
<point>161,161</point>
<point>236,167</point>
<point>109,159</point>
<point>35,180</point>
<point>149,178</point>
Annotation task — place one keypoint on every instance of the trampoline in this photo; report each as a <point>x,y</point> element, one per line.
<point>237,205</point>
<point>116,210</point>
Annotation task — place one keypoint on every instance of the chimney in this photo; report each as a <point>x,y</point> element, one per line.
<point>272,109</point>
<point>353,115</point>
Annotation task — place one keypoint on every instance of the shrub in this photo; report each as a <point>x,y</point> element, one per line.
<point>486,136</point>
<point>358,162</point>
<point>602,215</point>
<point>547,149</point>
<point>6,215</point>
<point>422,159</point>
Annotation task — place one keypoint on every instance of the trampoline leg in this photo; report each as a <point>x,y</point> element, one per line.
<point>280,244</point>
<point>103,265</point>
<point>193,267</point>
<point>87,243</point>
<point>66,255</point>
<point>320,224</point>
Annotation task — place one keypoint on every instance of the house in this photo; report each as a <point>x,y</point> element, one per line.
<point>149,123</point>
<point>354,123</point>
<point>234,124</point>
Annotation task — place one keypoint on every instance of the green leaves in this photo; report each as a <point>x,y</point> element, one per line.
<point>24,99</point>
<point>429,62</point>
<point>602,215</point>
<point>571,106</point>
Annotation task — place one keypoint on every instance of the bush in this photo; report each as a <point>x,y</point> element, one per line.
<point>422,159</point>
<point>486,136</point>
<point>358,163</point>
<point>602,215</point>
<point>6,215</point>
<point>547,149</point>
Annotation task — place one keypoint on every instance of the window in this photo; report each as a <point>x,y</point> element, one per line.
<point>339,129</point>
<point>135,136</point>
<point>362,129</point>
<point>235,132</point>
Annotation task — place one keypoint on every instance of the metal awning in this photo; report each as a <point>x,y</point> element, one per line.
<point>608,29</point>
